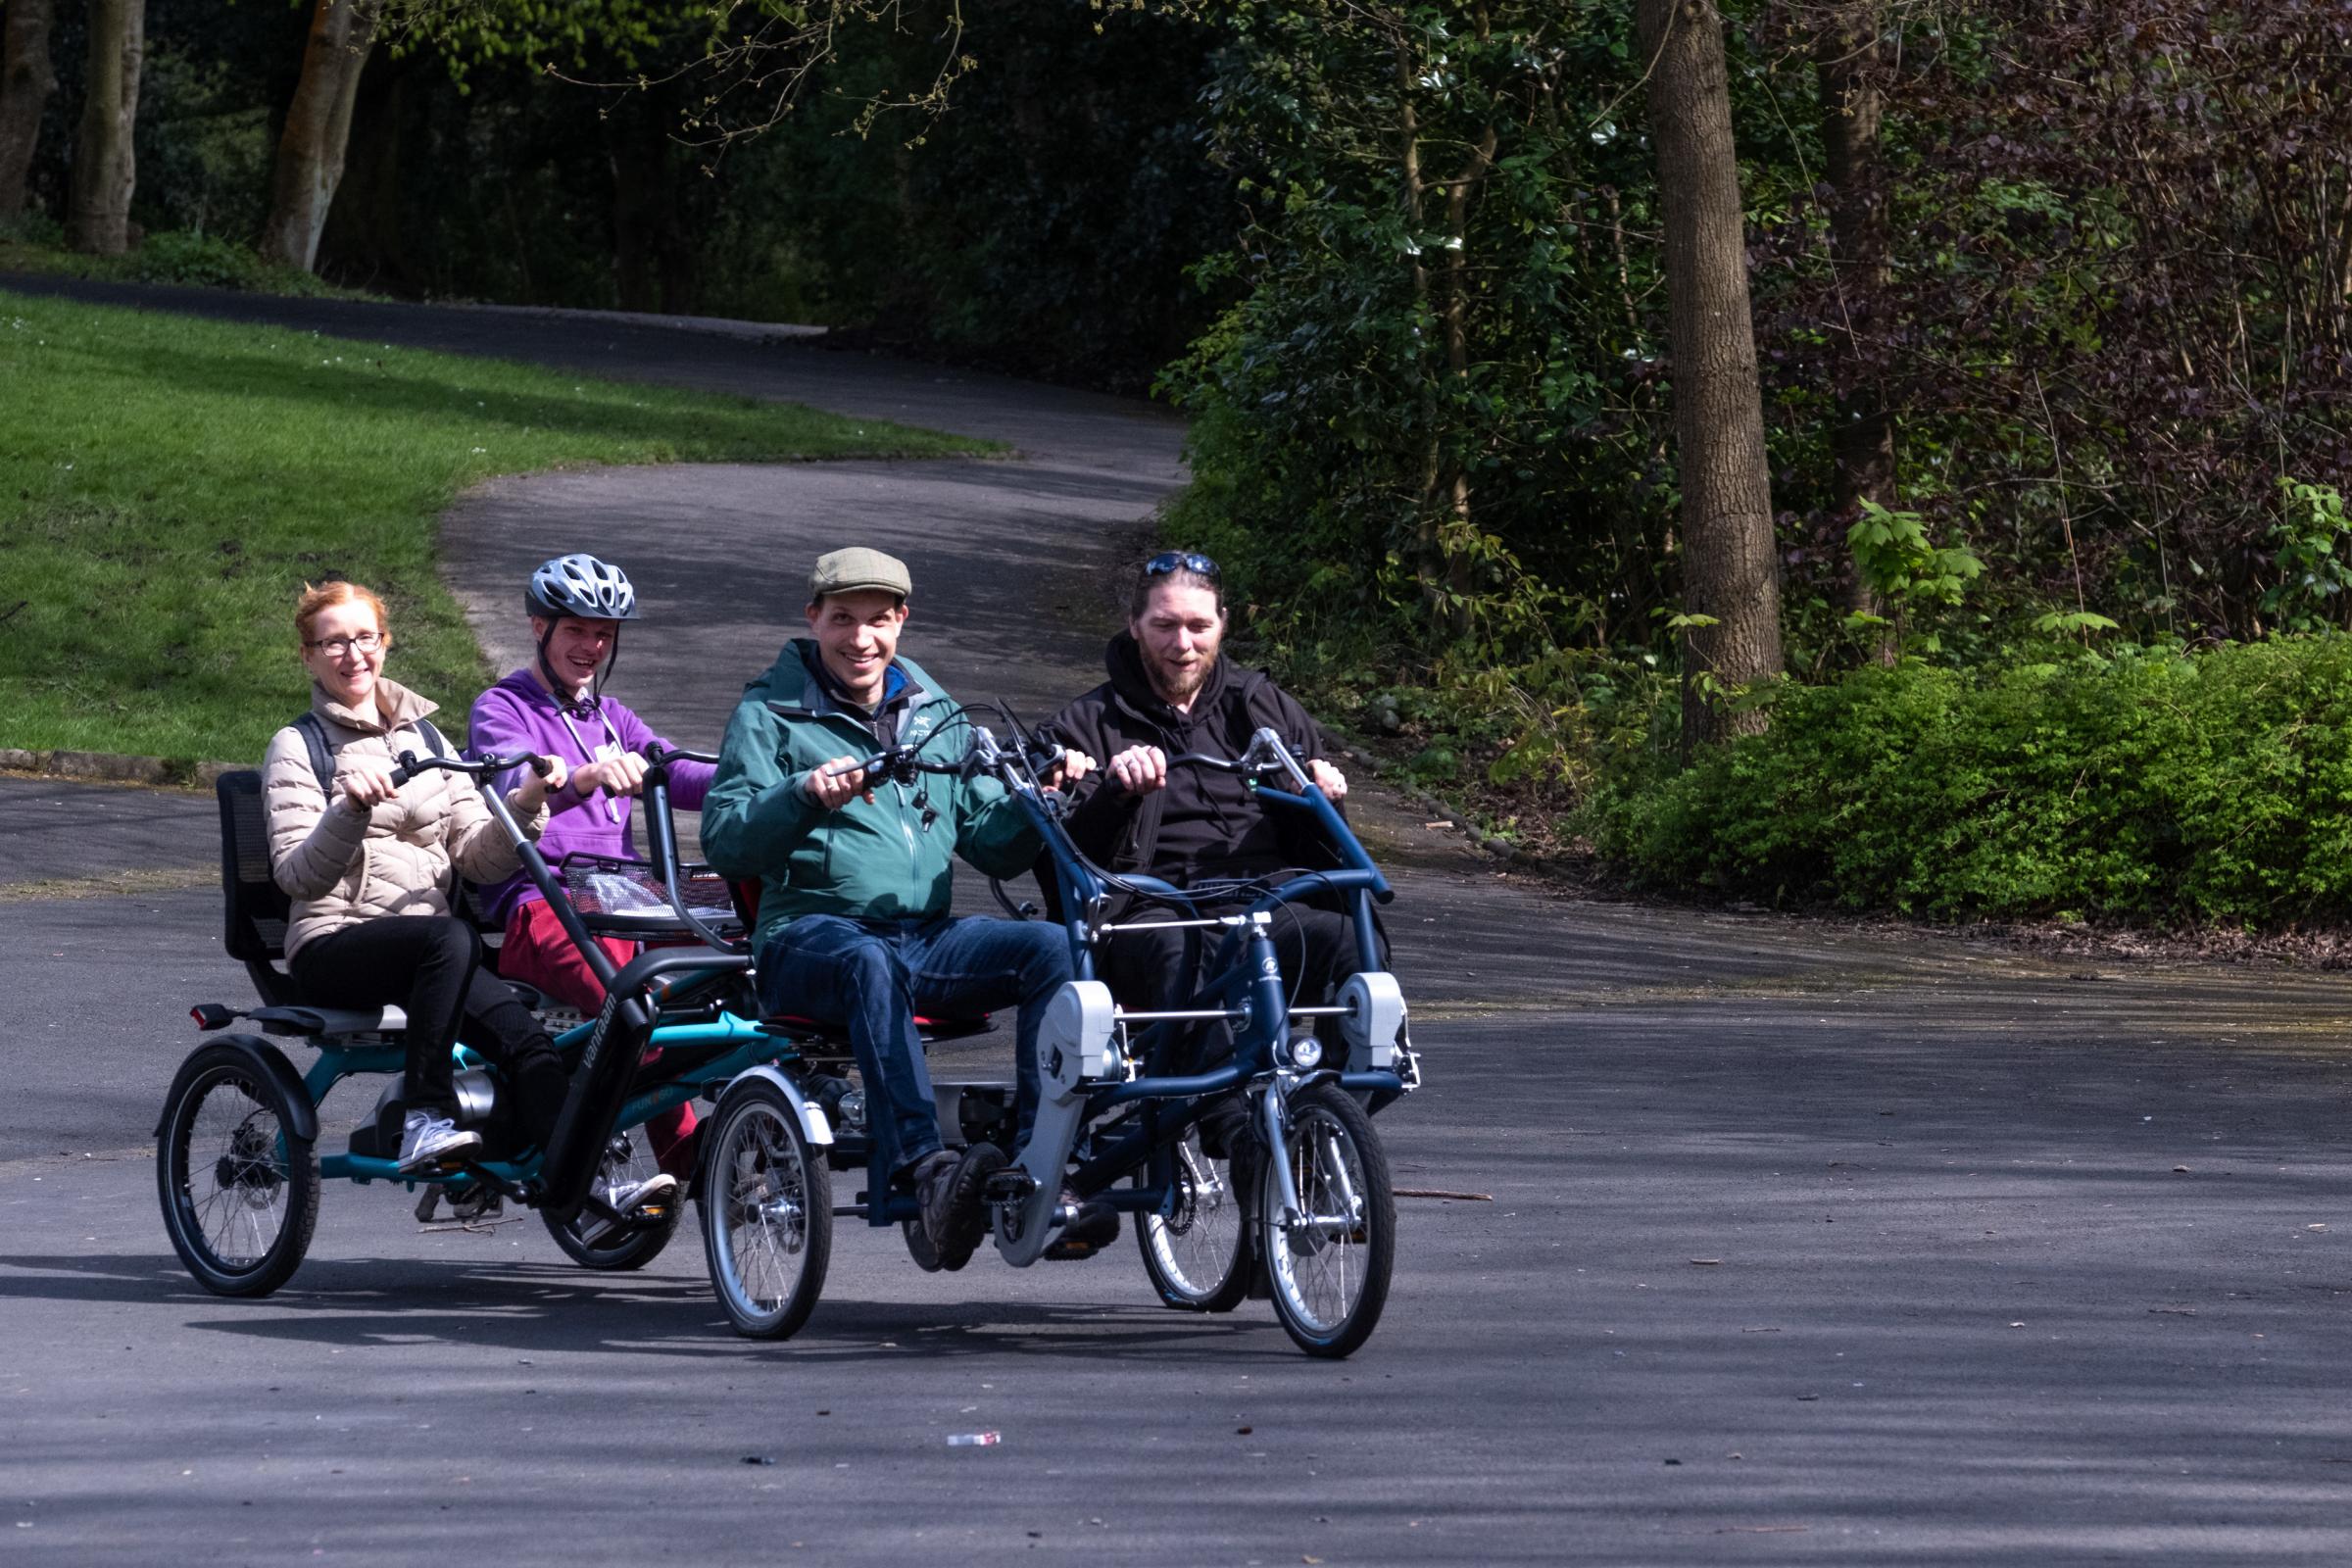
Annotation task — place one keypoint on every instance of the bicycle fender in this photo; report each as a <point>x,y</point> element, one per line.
<point>813,1120</point>
<point>273,1065</point>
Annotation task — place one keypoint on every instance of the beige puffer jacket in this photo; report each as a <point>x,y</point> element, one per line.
<point>340,867</point>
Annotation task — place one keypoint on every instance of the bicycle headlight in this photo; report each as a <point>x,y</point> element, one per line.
<point>1304,1051</point>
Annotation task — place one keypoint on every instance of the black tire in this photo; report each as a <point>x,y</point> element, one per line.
<point>628,1159</point>
<point>1329,1280</point>
<point>239,1192</point>
<point>1197,1255</point>
<point>766,1205</point>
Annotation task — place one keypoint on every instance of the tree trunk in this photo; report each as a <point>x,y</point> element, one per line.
<point>98,221</point>
<point>1847,58</point>
<point>1730,567</point>
<point>310,155</point>
<point>26,83</point>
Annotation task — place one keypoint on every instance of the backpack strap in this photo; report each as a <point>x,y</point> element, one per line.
<point>322,761</point>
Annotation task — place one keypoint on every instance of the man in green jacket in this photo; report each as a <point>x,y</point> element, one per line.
<point>855,873</point>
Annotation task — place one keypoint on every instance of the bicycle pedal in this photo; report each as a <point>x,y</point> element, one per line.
<point>1011,1185</point>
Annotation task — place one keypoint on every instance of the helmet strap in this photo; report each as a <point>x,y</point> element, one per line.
<point>604,673</point>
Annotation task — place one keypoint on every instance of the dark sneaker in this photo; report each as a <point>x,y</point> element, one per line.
<point>1094,1226</point>
<point>933,1180</point>
<point>1225,1123</point>
<point>980,1162</point>
<point>949,1186</point>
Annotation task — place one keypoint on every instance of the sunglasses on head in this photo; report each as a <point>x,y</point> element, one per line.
<point>1191,560</point>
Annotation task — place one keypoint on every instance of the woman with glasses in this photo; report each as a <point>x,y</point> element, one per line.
<point>370,869</point>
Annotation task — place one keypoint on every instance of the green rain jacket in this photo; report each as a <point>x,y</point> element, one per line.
<point>890,860</point>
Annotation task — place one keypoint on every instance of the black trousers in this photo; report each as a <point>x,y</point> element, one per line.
<point>1156,970</point>
<point>429,966</point>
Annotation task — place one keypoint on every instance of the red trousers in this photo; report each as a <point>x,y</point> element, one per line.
<point>538,954</point>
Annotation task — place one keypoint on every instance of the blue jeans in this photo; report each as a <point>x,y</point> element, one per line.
<point>873,976</point>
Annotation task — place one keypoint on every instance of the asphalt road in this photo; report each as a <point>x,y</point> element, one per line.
<point>1805,1245</point>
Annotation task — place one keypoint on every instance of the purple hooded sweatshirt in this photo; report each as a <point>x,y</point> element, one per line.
<point>518,715</point>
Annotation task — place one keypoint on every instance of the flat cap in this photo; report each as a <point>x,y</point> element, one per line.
<point>857,568</point>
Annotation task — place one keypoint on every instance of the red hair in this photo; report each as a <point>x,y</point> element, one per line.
<point>325,596</point>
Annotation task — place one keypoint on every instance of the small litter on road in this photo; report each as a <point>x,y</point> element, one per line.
<point>973,1440</point>
<point>759,1458</point>
<point>1706,1262</point>
<point>1432,1192</point>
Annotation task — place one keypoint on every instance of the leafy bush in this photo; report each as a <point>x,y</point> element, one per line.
<point>2150,785</point>
<point>205,261</point>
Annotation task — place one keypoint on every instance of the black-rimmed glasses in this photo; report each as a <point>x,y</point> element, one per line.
<point>366,641</point>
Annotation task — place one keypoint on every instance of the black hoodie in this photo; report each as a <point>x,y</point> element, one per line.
<point>1205,822</point>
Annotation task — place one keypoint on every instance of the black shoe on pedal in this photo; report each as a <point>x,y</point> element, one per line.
<point>949,1188</point>
<point>1094,1226</point>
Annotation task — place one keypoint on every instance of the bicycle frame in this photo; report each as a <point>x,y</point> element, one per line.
<point>609,1047</point>
<point>1246,991</point>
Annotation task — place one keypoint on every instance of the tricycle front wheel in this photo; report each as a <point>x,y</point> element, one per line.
<point>767,1207</point>
<point>239,1191</point>
<point>1329,1265</point>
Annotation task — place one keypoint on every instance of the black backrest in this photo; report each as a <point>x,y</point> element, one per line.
<point>255,907</point>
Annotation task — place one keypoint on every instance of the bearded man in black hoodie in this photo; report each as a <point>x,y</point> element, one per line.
<point>1170,692</point>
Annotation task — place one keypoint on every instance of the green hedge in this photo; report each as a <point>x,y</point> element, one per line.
<point>2155,786</point>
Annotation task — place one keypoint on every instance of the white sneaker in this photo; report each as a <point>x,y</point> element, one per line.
<point>429,1140</point>
<point>625,1199</point>
<point>630,1197</point>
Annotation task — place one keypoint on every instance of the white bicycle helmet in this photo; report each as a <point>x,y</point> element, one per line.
<point>582,585</point>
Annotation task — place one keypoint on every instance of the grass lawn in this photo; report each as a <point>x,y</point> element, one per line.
<point>167,486</point>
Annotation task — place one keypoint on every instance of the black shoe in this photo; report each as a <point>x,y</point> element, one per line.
<point>1094,1227</point>
<point>948,1186</point>
<point>1226,1125</point>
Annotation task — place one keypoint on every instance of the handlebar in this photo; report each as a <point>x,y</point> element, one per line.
<point>901,764</point>
<point>411,764</point>
<point>898,765</point>
<point>1265,753</point>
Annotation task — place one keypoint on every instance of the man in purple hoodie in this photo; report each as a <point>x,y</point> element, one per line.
<point>557,706</point>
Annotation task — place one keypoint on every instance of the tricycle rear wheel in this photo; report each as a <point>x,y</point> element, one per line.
<point>1196,1254</point>
<point>239,1191</point>
<point>767,1207</point>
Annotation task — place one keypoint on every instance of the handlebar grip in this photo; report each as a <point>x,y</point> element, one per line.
<point>542,766</point>
<point>406,770</point>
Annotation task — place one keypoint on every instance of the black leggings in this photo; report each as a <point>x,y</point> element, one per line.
<point>1157,970</point>
<point>428,965</point>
